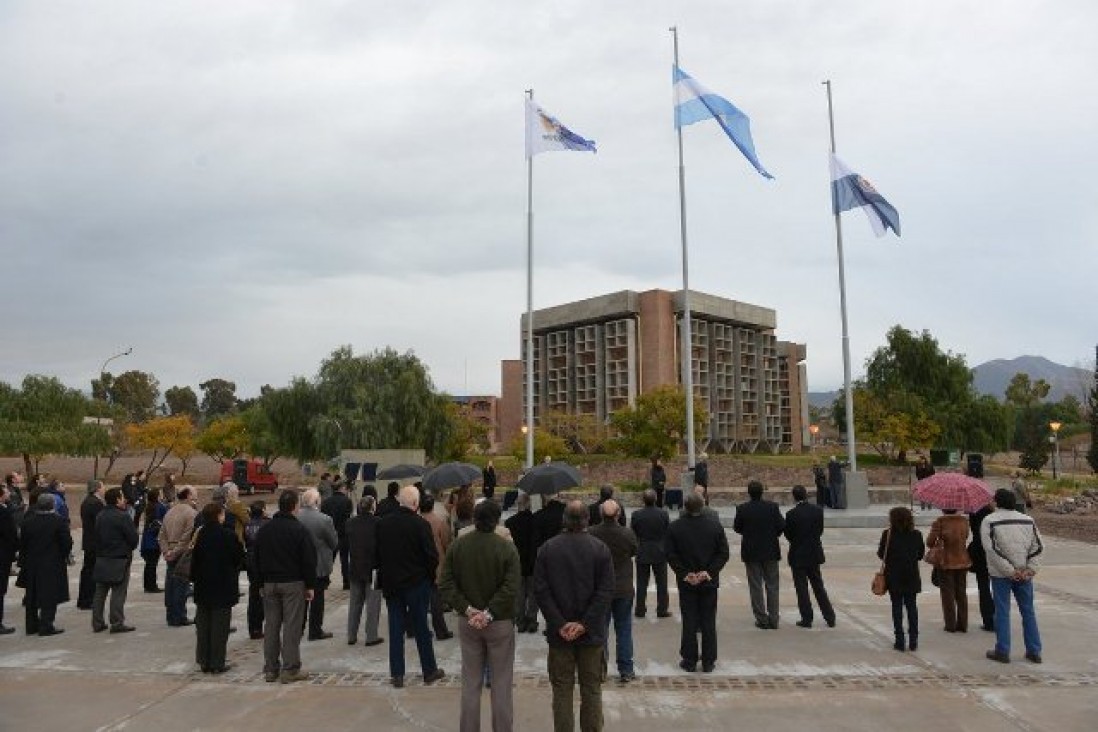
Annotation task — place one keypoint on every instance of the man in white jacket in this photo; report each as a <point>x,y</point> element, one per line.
<point>1013,546</point>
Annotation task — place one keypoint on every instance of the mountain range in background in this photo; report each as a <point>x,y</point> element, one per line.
<point>993,378</point>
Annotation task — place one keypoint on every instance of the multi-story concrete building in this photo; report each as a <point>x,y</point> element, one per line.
<point>596,355</point>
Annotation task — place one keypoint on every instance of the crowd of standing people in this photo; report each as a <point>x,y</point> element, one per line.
<point>583,569</point>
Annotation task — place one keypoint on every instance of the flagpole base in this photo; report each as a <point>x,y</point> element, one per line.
<point>856,484</point>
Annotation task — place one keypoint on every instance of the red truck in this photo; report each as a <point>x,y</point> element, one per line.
<point>249,475</point>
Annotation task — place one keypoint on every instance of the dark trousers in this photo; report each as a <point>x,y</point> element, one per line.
<point>954,600</point>
<point>764,605</point>
<point>412,602</point>
<point>900,602</point>
<point>255,609</point>
<point>659,497</point>
<point>40,616</point>
<point>345,563</point>
<point>152,560</point>
<point>438,615</point>
<point>314,611</point>
<point>987,601</point>
<point>175,597</point>
<point>698,606</point>
<point>86,591</point>
<point>659,571</point>
<point>117,613</point>
<point>526,607</point>
<point>802,578</point>
<point>211,626</point>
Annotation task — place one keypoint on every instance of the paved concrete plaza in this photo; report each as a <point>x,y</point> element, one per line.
<point>845,678</point>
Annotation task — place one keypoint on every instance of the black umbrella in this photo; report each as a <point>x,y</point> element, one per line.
<point>399,472</point>
<point>450,475</point>
<point>549,478</point>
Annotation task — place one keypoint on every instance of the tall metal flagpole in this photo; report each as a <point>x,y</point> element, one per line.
<point>852,453</point>
<point>529,305</point>
<point>687,344</point>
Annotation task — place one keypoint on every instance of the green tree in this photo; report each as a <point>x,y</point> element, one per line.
<point>1023,394</point>
<point>44,417</point>
<point>218,398</point>
<point>467,433</point>
<point>262,440</point>
<point>290,413</point>
<point>135,392</point>
<point>182,400</point>
<point>583,433</point>
<point>891,430</point>
<point>656,424</point>
<point>546,445</point>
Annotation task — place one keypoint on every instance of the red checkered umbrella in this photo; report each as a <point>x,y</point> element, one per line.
<point>954,490</point>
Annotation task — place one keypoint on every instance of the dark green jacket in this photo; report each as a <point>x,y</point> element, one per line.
<point>482,570</point>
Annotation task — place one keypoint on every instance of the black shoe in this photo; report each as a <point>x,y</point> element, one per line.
<point>50,631</point>
<point>184,623</point>
<point>122,628</point>
<point>899,645</point>
<point>707,668</point>
<point>254,635</point>
<point>5,630</point>
<point>223,669</point>
<point>1034,657</point>
<point>626,677</point>
<point>397,682</point>
<point>375,642</point>
<point>638,613</point>
<point>761,625</point>
<point>994,655</point>
<point>232,630</point>
<point>689,667</point>
<point>434,676</point>
<point>664,614</point>
<point>988,628</point>
<point>98,628</point>
<point>322,635</point>
<point>913,644</point>
<point>352,641</point>
<point>830,623</point>
<point>447,635</point>
<point>154,590</point>
<point>83,606</point>
<point>804,623</point>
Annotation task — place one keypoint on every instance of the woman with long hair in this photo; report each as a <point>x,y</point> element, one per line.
<point>950,532</point>
<point>155,509</point>
<point>215,569</point>
<point>901,547</point>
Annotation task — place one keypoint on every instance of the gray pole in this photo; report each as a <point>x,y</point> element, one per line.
<point>687,341</point>
<point>530,306</point>
<point>852,453</point>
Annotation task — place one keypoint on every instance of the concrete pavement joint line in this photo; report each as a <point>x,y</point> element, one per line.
<point>990,699</point>
<point>1066,596</point>
<point>122,721</point>
<point>403,713</point>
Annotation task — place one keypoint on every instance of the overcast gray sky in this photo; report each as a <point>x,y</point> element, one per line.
<point>236,188</point>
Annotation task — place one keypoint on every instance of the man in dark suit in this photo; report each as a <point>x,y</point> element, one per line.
<point>521,526</point>
<point>760,523</point>
<point>89,510</point>
<point>389,504</point>
<point>650,524</point>
<point>594,511</point>
<point>804,525</point>
<point>9,546</point>
<point>697,550</point>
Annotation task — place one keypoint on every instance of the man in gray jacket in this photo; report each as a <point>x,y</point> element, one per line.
<point>1013,547</point>
<point>321,527</point>
<point>622,543</point>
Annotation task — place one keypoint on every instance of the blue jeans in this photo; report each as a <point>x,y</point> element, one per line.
<point>621,612</point>
<point>175,597</point>
<point>1001,589</point>
<point>415,601</point>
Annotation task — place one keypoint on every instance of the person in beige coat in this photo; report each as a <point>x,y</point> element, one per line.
<point>950,531</point>
<point>443,538</point>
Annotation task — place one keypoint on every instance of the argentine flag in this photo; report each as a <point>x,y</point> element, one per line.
<point>545,134</point>
<point>850,190</point>
<point>694,103</point>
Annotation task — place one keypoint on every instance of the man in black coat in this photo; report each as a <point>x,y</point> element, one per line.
<point>44,546</point>
<point>697,550</point>
<point>9,547</point>
<point>340,508</point>
<point>407,561</point>
<point>804,525</point>
<point>760,523</point>
<point>548,521</point>
<point>650,524</point>
<point>362,564</point>
<point>115,539</point>
<point>594,511</point>
<point>389,504</point>
<point>522,529</point>
<point>89,510</point>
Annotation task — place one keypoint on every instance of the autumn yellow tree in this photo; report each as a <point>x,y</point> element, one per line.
<point>224,439</point>
<point>163,436</point>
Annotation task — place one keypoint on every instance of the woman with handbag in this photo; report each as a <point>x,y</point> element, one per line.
<point>155,510</point>
<point>215,568</point>
<point>901,548</point>
<point>949,555</point>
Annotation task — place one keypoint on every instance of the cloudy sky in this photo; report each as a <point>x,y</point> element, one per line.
<point>234,189</point>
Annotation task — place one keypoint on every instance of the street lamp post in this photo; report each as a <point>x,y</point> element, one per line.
<point>103,384</point>
<point>103,368</point>
<point>1055,427</point>
<point>815,430</point>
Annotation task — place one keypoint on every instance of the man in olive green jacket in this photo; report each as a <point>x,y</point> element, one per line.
<point>480,579</point>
